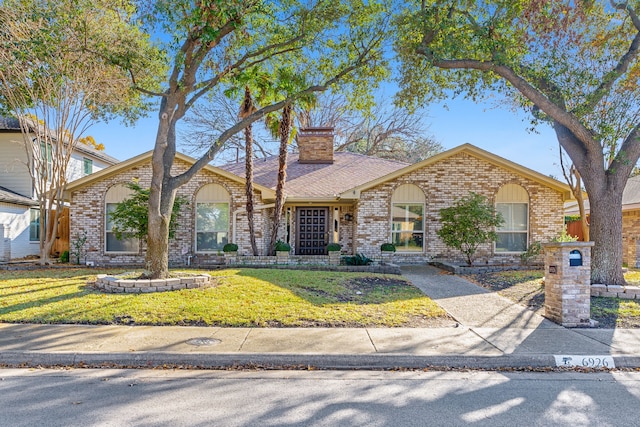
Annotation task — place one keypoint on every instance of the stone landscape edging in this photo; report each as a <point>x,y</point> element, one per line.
<point>112,284</point>
<point>615,291</point>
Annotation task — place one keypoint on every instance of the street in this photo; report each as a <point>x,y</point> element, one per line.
<point>118,397</point>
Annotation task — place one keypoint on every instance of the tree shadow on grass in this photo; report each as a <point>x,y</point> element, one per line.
<point>528,290</point>
<point>334,288</point>
<point>605,311</point>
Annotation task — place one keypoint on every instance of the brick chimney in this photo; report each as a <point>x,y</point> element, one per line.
<point>315,145</point>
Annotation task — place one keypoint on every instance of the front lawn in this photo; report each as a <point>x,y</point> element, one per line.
<point>527,288</point>
<point>240,297</point>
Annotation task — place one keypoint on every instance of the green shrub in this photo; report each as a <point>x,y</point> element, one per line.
<point>64,257</point>
<point>469,223</point>
<point>334,247</point>
<point>230,247</point>
<point>282,246</point>
<point>388,247</point>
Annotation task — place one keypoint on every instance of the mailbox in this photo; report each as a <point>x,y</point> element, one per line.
<point>575,258</point>
<point>567,283</point>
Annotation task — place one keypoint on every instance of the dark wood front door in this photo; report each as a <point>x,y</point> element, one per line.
<point>313,231</point>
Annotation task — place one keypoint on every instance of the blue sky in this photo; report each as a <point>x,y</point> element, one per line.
<point>495,129</point>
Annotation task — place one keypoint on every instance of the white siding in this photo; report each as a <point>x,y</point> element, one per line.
<point>16,227</point>
<point>14,174</point>
<point>75,169</point>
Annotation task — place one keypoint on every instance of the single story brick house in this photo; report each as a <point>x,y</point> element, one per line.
<point>357,201</point>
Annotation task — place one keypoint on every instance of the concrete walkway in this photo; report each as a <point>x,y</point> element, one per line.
<point>492,332</point>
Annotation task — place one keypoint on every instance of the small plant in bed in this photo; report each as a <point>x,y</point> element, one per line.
<point>358,259</point>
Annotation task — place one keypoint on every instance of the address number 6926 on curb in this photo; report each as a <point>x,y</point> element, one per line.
<point>583,361</point>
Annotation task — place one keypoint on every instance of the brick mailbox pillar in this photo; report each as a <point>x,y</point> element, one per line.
<point>567,283</point>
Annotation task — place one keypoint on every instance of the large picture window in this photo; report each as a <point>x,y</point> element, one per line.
<point>407,218</point>
<point>115,195</point>
<point>212,218</point>
<point>512,201</point>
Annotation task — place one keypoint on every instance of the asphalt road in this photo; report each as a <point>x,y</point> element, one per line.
<point>110,397</point>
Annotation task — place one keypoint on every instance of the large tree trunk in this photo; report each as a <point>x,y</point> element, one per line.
<point>604,188</point>
<point>157,255</point>
<point>161,197</point>
<point>606,232</point>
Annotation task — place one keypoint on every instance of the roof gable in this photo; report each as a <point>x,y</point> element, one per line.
<point>472,150</point>
<point>144,158</point>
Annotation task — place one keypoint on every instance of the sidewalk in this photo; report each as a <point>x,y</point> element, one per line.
<point>492,332</point>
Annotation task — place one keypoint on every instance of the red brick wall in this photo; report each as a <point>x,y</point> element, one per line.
<point>87,213</point>
<point>443,183</point>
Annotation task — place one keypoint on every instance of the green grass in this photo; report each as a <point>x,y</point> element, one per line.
<point>241,297</point>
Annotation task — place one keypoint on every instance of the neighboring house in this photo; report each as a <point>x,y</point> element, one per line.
<point>630,221</point>
<point>19,212</point>
<point>355,200</point>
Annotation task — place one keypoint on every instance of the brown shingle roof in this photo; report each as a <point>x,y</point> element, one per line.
<point>311,180</point>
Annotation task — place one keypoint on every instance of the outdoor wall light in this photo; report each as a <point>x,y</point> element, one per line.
<point>348,217</point>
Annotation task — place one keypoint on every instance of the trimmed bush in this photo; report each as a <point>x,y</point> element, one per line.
<point>388,247</point>
<point>230,247</point>
<point>334,247</point>
<point>282,246</point>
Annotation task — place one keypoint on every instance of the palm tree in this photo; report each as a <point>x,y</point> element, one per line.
<point>284,131</point>
<point>248,108</point>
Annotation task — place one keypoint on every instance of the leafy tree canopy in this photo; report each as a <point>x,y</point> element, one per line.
<point>76,54</point>
<point>571,53</point>
<point>573,64</point>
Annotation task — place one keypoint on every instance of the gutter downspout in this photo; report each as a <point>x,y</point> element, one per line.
<point>239,211</point>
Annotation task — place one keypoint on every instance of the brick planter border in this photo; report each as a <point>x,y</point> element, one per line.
<point>615,291</point>
<point>114,285</point>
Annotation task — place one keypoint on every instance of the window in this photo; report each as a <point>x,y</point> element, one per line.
<point>512,201</point>
<point>34,225</point>
<point>87,166</point>
<point>115,195</point>
<point>407,218</point>
<point>46,160</point>
<point>212,218</point>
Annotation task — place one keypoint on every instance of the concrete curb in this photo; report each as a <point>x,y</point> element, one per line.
<point>304,361</point>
